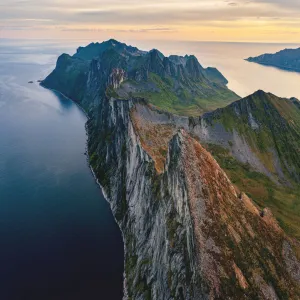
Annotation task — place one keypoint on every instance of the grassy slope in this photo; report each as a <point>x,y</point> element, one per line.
<point>279,121</point>
<point>284,201</point>
<point>279,128</point>
<point>183,102</point>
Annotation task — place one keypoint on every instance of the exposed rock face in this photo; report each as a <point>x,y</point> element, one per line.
<point>291,261</point>
<point>188,232</point>
<point>175,83</point>
<point>116,77</point>
<point>261,130</point>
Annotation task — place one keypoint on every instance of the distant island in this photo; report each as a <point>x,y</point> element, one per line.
<point>287,59</point>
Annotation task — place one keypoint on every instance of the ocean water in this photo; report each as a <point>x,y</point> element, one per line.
<point>58,238</point>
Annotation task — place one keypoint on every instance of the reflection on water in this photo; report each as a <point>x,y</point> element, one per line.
<point>64,102</point>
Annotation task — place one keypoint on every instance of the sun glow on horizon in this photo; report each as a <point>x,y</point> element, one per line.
<point>201,20</point>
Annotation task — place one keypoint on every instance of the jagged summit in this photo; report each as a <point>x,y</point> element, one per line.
<point>157,53</point>
<point>259,93</point>
<point>179,60</point>
<point>94,50</point>
<point>270,127</point>
<point>255,139</point>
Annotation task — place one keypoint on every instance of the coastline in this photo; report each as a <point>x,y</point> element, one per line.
<point>282,68</point>
<point>125,294</point>
<point>60,93</point>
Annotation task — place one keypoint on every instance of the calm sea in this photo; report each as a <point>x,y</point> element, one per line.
<point>58,239</point>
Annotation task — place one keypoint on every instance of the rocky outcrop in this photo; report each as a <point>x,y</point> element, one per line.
<point>187,232</point>
<point>181,81</point>
<point>116,78</point>
<point>261,130</point>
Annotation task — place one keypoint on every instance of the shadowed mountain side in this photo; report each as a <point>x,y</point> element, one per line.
<point>177,84</point>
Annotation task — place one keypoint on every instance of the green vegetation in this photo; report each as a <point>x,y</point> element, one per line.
<point>185,89</point>
<point>276,129</point>
<point>110,92</point>
<point>186,100</point>
<point>69,77</point>
<point>284,201</point>
<point>164,99</point>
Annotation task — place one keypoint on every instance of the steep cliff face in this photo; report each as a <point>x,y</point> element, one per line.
<point>188,233</point>
<point>256,141</point>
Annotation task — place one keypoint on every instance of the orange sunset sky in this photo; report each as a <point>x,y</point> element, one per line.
<point>201,20</point>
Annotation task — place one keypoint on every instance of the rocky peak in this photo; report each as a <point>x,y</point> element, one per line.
<point>226,224</point>
<point>193,67</point>
<point>154,63</point>
<point>116,77</point>
<point>178,60</point>
<point>94,50</point>
<point>156,53</point>
<point>63,61</point>
<point>295,101</point>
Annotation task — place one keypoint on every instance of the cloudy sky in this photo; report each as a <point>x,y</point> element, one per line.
<point>194,20</point>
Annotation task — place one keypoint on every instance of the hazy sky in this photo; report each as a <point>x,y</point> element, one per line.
<point>196,20</point>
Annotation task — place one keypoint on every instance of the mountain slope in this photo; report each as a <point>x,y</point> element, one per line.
<point>189,231</point>
<point>262,130</point>
<point>287,59</point>
<point>176,84</point>
<point>256,141</point>
<point>189,234</point>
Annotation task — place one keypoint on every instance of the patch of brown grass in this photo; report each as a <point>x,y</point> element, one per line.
<point>154,138</point>
<point>246,239</point>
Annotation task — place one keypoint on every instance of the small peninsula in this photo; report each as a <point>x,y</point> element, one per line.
<point>287,59</point>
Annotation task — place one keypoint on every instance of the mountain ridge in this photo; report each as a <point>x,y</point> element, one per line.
<point>189,231</point>
<point>177,84</point>
<point>177,186</point>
